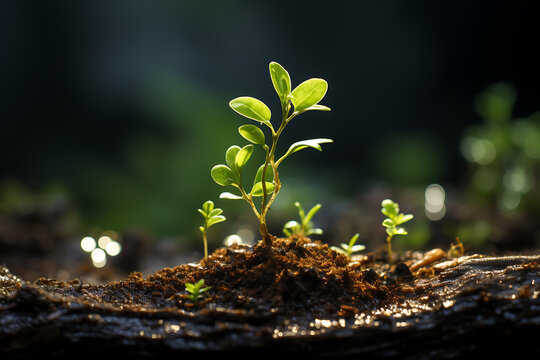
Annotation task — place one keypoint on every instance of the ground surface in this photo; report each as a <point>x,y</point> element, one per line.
<point>297,297</point>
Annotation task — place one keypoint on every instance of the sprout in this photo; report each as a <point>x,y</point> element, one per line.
<point>266,184</point>
<point>211,216</point>
<point>195,291</point>
<point>305,226</point>
<point>392,222</point>
<point>350,248</point>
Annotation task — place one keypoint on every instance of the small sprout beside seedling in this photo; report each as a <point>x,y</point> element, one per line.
<point>196,290</point>
<point>350,248</point>
<point>392,223</point>
<point>305,226</point>
<point>266,185</point>
<point>211,216</point>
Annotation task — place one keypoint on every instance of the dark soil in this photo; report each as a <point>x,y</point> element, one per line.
<point>297,297</point>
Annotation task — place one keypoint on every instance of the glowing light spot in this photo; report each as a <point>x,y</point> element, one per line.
<point>232,239</point>
<point>88,244</point>
<point>434,202</point>
<point>509,201</point>
<point>104,241</point>
<point>113,248</point>
<point>99,259</point>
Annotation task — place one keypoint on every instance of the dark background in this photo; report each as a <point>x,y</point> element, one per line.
<point>122,106</point>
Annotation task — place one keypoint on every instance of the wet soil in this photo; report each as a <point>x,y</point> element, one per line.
<point>297,297</point>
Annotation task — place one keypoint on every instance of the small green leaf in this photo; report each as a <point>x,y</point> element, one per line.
<point>404,218</point>
<point>356,248</point>
<point>312,213</point>
<point>252,133</point>
<point>243,156</point>
<point>252,109</point>
<point>257,189</point>
<point>388,223</point>
<point>201,228</point>
<point>202,213</point>
<point>208,206</point>
<point>230,156</point>
<point>215,212</point>
<point>297,146</point>
<point>222,175</point>
<point>400,231</point>
<point>230,196</point>
<point>318,107</point>
<point>281,80</point>
<point>215,220</point>
<point>308,93</point>
<point>389,208</point>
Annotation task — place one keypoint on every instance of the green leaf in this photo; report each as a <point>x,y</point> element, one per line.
<point>311,213</point>
<point>257,189</point>
<point>208,206</point>
<point>269,175</point>
<point>308,93</point>
<point>215,220</point>
<point>281,80</point>
<point>252,133</point>
<point>318,107</point>
<point>389,208</point>
<point>243,156</point>
<point>222,175</point>
<point>404,218</point>
<point>230,156</point>
<point>230,196</point>
<point>353,239</point>
<point>252,109</point>
<point>215,212</point>
<point>297,146</point>
<point>400,231</point>
<point>388,223</point>
<point>356,248</point>
<point>202,213</point>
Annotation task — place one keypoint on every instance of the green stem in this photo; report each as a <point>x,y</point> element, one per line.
<point>389,246</point>
<point>205,242</point>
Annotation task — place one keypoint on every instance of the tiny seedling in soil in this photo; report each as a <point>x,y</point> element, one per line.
<point>211,216</point>
<point>392,223</point>
<point>350,248</point>
<point>266,184</point>
<point>305,226</point>
<point>196,290</point>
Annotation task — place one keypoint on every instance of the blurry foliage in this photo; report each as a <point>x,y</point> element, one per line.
<point>503,152</point>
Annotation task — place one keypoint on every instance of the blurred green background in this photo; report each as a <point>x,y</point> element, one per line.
<point>121,107</point>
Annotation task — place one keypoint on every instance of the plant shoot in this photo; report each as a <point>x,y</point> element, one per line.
<point>266,183</point>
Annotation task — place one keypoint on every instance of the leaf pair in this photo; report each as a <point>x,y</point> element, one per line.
<point>348,249</point>
<point>230,174</point>
<point>394,218</point>
<point>304,97</point>
<point>196,290</point>
<point>211,215</point>
<point>305,226</point>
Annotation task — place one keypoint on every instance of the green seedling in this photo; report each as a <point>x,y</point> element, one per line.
<point>392,223</point>
<point>305,226</point>
<point>211,216</point>
<point>196,290</point>
<point>350,248</point>
<point>266,184</point>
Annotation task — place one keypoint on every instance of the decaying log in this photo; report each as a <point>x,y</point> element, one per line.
<point>470,306</point>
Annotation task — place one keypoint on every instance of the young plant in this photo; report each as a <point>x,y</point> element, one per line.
<point>350,248</point>
<point>196,290</point>
<point>266,184</point>
<point>392,223</point>
<point>305,226</point>
<point>211,216</point>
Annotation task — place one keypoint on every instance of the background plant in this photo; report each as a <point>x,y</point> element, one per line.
<point>305,226</point>
<point>392,223</point>
<point>351,247</point>
<point>196,291</point>
<point>211,216</point>
<point>267,184</point>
